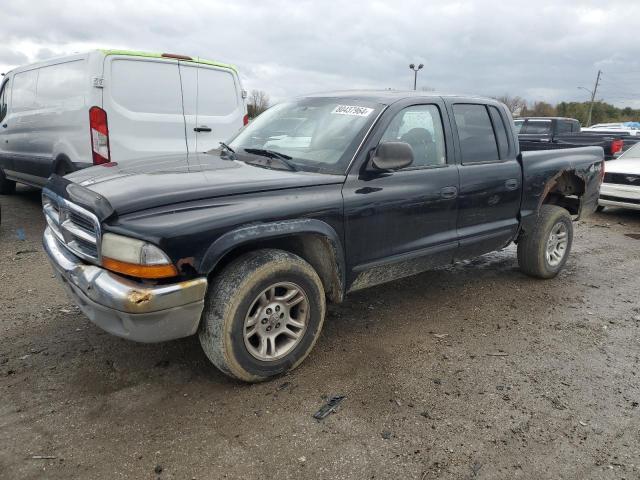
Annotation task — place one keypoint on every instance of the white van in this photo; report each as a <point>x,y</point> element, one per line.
<point>107,106</point>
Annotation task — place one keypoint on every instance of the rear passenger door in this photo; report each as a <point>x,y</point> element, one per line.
<point>143,100</point>
<point>490,178</point>
<point>213,105</point>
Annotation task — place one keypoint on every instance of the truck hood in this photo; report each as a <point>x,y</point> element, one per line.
<point>167,180</point>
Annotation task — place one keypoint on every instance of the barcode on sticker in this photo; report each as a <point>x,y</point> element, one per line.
<point>352,110</point>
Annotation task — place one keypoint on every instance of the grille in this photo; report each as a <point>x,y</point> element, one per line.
<point>622,179</point>
<point>74,227</point>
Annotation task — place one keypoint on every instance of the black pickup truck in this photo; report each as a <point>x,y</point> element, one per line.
<point>553,133</point>
<point>245,244</point>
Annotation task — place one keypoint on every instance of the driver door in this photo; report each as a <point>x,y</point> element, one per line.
<point>403,222</point>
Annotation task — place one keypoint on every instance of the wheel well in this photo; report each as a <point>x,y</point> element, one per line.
<point>315,249</point>
<point>565,190</point>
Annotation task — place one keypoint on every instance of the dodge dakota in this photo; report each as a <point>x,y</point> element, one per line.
<point>317,197</point>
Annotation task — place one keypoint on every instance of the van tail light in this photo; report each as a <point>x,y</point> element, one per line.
<point>245,119</point>
<point>99,136</point>
<point>616,145</point>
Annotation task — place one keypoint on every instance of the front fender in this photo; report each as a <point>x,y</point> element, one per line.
<point>271,231</point>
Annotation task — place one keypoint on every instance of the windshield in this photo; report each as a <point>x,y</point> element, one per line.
<point>518,124</point>
<point>632,153</point>
<point>313,134</point>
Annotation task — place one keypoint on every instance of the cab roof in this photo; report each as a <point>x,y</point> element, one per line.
<point>387,97</point>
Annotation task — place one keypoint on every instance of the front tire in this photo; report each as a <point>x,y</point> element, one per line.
<point>544,250</point>
<point>263,314</point>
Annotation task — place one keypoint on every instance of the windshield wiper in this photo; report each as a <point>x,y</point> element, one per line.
<point>227,147</point>
<point>273,155</point>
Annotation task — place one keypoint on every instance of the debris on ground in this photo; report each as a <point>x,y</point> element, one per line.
<point>43,457</point>
<point>386,434</point>
<point>282,386</point>
<point>498,354</point>
<point>441,335</point>
<point>329,407</point>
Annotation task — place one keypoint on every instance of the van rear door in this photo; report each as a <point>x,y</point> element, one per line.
<point>143,100</point>
<point>213,105</point>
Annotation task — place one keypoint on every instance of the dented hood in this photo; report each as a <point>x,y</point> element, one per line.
<point>154,182</point>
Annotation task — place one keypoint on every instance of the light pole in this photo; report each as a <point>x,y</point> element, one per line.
<point>415,73</point>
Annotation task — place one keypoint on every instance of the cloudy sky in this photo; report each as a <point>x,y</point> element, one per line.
<point>537,49</point>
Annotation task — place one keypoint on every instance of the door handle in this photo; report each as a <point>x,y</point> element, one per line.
<point>203,128</point>
<point>511,184</point>
<point>449,192</point>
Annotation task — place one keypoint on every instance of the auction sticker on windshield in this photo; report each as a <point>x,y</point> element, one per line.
<point>352,110</point>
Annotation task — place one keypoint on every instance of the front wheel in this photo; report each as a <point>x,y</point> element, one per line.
<point>543,251</point>
<point>263,315</point>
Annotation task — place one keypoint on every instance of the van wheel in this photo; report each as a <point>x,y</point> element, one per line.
<point>263,314</point>
<point>543,251</point>
<point>7,187</point>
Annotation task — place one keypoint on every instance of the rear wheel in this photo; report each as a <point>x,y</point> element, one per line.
<point>263,315</point>
<point>544,250</point>
<point>599,208</point>
<point>7,187</point>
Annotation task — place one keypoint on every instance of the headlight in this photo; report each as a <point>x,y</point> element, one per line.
<point>134,257</point>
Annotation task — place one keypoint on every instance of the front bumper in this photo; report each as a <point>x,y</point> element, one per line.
<point>616,195</point>
<point>126,308</point>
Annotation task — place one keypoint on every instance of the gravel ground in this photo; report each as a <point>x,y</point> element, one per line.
<point>473,371</point>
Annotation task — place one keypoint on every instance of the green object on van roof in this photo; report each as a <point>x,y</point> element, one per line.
<point>134,53</point>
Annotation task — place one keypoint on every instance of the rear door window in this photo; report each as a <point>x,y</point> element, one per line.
<point>146,86</point>
<point>217,95</point>
<point>475,132</point>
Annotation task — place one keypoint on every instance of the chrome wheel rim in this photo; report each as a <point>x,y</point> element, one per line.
<point>276,321</point>
<point>557,244</point>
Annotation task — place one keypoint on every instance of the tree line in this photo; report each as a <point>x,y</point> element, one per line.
<point>602,112</point>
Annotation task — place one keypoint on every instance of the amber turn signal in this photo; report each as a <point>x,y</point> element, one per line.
<point>139,271</point>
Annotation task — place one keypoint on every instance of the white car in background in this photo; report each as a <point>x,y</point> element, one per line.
<point>104,106</point>
<point>612,128</point>
<point>621,186</point>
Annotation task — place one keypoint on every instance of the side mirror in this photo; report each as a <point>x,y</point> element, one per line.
<point>392,156</point>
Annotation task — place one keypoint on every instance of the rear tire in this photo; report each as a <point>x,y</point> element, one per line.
<point>7,187</point>
<point>600,208</point>
<point>544,250</point>
<point>248,307</point>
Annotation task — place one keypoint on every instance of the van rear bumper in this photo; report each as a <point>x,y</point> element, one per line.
<point>126,308</point>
